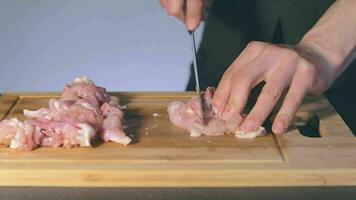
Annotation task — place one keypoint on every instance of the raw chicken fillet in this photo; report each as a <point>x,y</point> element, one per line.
<point>84,112</point>
<point>187,115</point>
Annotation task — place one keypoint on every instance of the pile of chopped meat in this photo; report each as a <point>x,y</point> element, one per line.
<point>188,115</point>
<point>83,113</point>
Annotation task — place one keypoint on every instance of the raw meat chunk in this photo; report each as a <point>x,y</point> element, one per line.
<point>187,115</point>
<point>84,112</point>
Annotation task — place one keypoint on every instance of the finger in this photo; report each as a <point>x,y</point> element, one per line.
<point>237,99</point>
<point>162,3</point>
<point>241,89</point>
<point>222,93</point>
<point>195,10</point>
<point>270,94</point>
<point>291,103</point>
<point>175,8</point>
<point>253,50</point>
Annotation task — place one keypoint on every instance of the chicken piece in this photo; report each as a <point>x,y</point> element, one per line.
<point>112,126</point>
<point>79,135</point>
<point>17,134</point>
<point>82,88</point>
<point>187,115</point>
<point>56,134</point>
<point>80,111</point>
<point>84,112</point>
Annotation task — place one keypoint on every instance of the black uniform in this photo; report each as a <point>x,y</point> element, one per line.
<point>232,24</point>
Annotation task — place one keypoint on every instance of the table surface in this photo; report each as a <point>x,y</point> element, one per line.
<point>249,193</point>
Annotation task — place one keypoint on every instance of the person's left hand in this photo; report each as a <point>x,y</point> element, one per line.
<point>297,70</point>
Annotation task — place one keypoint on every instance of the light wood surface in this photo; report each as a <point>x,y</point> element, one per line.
<point>165,156</point>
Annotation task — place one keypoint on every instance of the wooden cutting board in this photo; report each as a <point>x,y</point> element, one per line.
<point>165,156</point>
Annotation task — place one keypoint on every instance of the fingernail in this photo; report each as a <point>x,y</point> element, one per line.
<point>249,126</point>
<point>215,110</point>
<point>278,127</point>
<point>192,23</point>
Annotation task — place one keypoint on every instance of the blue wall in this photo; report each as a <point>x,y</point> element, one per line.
<point>127,45</point>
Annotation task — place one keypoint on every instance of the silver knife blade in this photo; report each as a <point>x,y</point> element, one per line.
<point>196,75</point>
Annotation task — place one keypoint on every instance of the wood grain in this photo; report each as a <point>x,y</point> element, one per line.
<point>165,156</point>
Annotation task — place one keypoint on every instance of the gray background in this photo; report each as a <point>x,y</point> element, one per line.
<point>129,45</point>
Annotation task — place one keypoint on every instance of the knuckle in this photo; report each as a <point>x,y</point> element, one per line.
<point>241,82</point>
<point>308,70</point>
<point>272,47</point>
<point>162,3</point>
<point>235,103</point>
<point>254,45</point>
<point>253,49</point>
<point>217,102</point>
<point>197,5</point>
<point>292,99</point>
<point>232,105</point>
<point>307,73</point>
<point>291,54</point>
<point>173,12</point>
<point>227,74</point>
<point>255,117</point>
<point>284,117</point>
<point>272,92</point>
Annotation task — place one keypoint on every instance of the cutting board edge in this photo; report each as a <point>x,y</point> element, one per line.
<point>183,178</point>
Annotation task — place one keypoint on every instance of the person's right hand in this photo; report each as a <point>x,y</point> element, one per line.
<point>190,12</point>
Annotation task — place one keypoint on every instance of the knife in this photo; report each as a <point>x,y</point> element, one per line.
<point>196,75</point>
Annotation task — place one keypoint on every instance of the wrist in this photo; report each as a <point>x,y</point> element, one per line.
<point>338,51</point>
<point>333,56</point>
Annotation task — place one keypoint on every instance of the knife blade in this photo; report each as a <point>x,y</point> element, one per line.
<point>196,76</point>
